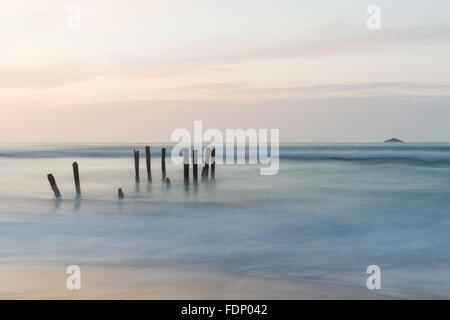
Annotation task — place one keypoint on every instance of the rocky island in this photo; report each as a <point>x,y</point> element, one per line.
<point>394,140</point>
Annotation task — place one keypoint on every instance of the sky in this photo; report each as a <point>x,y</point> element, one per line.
<point>136,70</point>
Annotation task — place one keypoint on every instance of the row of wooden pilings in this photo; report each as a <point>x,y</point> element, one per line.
<point>209,164</point>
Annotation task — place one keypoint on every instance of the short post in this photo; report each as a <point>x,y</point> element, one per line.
<point>195,165</point>
<point>149,164</point>
<point>163,163</point>
<point>76,177</point>
<point>136,164</point>
<point>186,165</point>
<point>213,163</point>
<point>120,193</point>
<point>51,180</point>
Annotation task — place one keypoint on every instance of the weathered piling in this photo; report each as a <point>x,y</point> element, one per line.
<point>205,170</point>
<point>136,164</point>
<point>186,165</point>
<point>213,163</point>
<point>51,180</point>
<point>195,166</point>
<point>203,174</point>
<point>163,163</point>
<point>149,164</point>
<point>120,193</point>
<point>76,178</point>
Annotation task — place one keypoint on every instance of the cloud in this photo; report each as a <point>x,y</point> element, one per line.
<point>325,46</point>
<point>207,58</point>
<point>362,88</point>
<point>210,86</point>
<point>239,90</point>
<point>220,57</point>
<point>40,77</point>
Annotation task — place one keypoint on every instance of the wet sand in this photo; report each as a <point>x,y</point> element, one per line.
<point>44,282</point>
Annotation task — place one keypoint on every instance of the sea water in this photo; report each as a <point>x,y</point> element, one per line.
<point>330,212</point>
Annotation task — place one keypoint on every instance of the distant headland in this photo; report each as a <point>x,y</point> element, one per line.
<point>393,140</point>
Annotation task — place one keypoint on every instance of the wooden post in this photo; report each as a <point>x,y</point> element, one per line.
<point>76,177</point>
<point>195,166</point>
<point>163,163</point>
<point>186,165</point>
<point>205,170</point>
<point>136,164</point>
<point>120,193</point>
<point>213,163</point>
<point>149,164</point>
<point>55,189</point>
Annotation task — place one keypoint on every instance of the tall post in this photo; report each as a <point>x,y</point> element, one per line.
<point>149,164</point>
<point>136,164</point>
<point>205,170</point>
<point>195,165</point>
<point>163,163</point>
<point>51,180</point>
<point>213,163</point>
<point>186,165</point>
<point>76,177</point>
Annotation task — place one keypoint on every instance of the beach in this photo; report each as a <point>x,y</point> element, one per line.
<point>131,283</point>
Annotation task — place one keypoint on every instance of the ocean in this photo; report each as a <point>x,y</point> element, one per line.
<point>330,212</point>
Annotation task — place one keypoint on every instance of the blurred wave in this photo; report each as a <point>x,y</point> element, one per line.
<point>433,152</point>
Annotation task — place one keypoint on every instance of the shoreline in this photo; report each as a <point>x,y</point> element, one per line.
<point>99,283</point>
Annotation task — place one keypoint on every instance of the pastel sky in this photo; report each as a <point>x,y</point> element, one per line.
<point>138,69</point>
